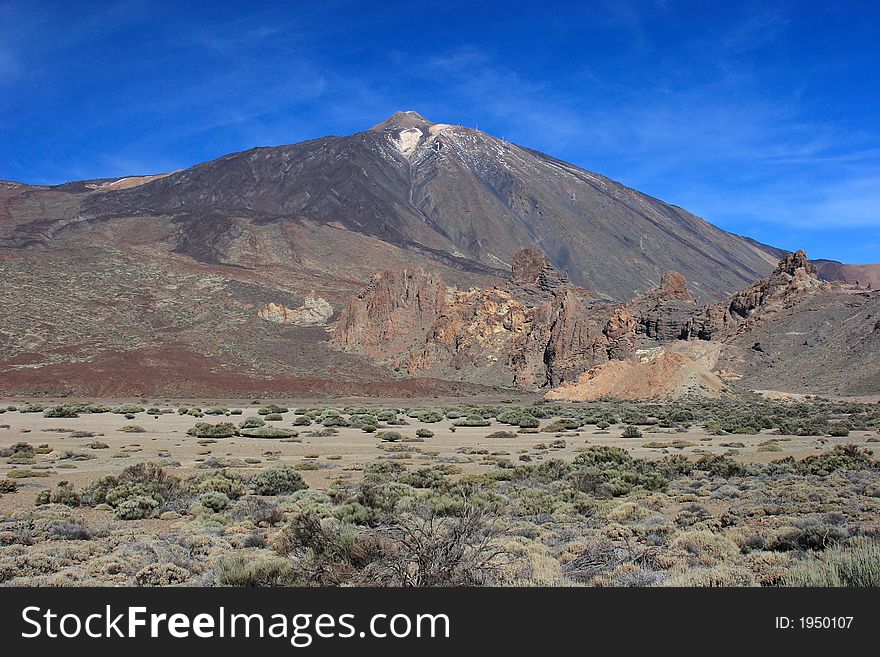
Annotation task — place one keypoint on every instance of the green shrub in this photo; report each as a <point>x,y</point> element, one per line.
<point>631,431</point>
<point>206,430</point>
<point>562,424</point>
<point>137,507</point>
<point>721,466</point>
<point>603,456</point>
<point>60,412</point>
<point>268,432</point>
<point>501,434</point>
<point>273,409</point>
<point>841,457</point>
<point>720,576</point>
<point>251,423</point>
<point>18,448</point>
<point>277,481</point>
<point>808,537</point>
<point>424,433</point>
<point>230,485</point>
<point>214,500</point>
<point>128,409</point>
<point>25,473</point>
<point>245,571</point>
<point>389,436</point>
<point>612,472</point>
<point>132,428</point>
<point>142,480</point>
<point>358,420</point>
<point>472,421</point>
<point>64,493</point>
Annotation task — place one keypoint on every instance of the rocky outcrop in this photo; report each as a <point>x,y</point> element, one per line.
<point>662,314</point>
<point>794,278</point>
<point>576,342</point>
<point>676,370</point>
<point>536,330</point>
<point>531,267</point>
<point>315,311</point>
<point>473,335</point>
<point>392,314</point>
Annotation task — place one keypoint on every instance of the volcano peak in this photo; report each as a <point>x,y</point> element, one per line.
<point>403,120</point>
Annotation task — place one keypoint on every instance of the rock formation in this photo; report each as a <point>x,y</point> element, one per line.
<point>793,279</point>
<point>538,330</point>
<point>392,314</point>
<point>315,311</point>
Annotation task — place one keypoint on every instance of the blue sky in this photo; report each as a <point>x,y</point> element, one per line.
<point>761,117</point>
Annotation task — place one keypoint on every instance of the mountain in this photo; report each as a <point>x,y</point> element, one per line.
<point>446,192</point>
<point>865,275</point>
<point>237,276</point>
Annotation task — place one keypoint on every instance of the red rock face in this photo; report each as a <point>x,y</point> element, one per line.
<point>576,340</point>
<point>674,286</point>
<point>621,333</point>
<point>662,314</point>
<point>539,330</point>
<point>527,266</point>
<point>793,279</point>
<point>395,310</point>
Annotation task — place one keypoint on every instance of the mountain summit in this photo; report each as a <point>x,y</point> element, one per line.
<point>402,120</point>
<point>445,192</point>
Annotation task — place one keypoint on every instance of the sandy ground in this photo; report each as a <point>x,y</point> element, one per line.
<point>340,457</point>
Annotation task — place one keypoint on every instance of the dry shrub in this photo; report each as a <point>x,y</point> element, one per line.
<point>724,575</point>
<point>420,548</point>
<point>857,564</point>
<point>707,547</point>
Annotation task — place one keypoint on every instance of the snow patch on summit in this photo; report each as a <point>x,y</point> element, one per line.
<point>408,140</point>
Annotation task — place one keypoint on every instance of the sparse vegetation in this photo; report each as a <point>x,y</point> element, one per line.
<point>277,481</point>
<point>572,505</point>
<point>207,430</point>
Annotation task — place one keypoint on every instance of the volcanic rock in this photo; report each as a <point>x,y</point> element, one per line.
<point>315,311</point>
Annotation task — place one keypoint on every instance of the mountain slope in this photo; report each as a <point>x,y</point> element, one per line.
<point>229,277</point>
<point>453,194</point>
<point>865,275</point>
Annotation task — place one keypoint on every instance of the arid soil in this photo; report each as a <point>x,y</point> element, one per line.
<point>341,456</point>
<point>696,496</point>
